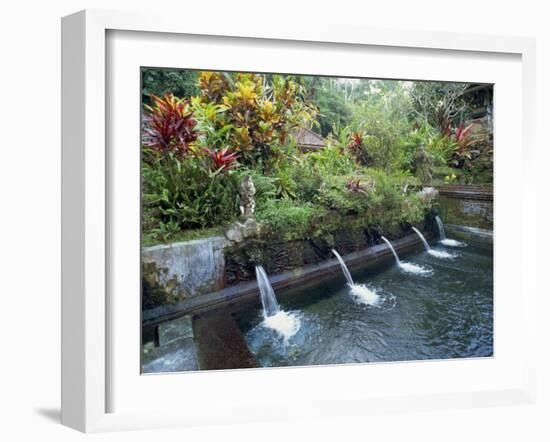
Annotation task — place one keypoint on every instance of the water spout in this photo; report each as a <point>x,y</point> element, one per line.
<point>397,260</point>
<point>440,227</point>
<point>267,295</point>
<point>426,245</point>
<point>362,293</point>
<point>437,253</point>
<point>347,274</point>
<point>408,267</point>
<point>443,238</point>
<point>284,323</point>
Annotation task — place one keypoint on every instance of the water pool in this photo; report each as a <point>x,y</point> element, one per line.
<point>446,312</point>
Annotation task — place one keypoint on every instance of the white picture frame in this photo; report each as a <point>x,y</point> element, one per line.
<point>86,356</point>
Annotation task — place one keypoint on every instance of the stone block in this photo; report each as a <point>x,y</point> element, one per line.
<point>179,328</point>
<point>174,272</point>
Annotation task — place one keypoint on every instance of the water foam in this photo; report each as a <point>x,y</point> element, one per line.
<point>443,237</point>
<point>442,254</point>
<point>452,243</point>
<point>415,269</point>
<point>285,323</point>
<point>364,294</point>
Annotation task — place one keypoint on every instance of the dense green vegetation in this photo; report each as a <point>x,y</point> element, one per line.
<point>203,132</point>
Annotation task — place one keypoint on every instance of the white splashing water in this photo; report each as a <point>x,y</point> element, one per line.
<point>408,267</point>
<point>441,254</point>
<point>286,324</point>
<point>452,243</point>
<point>415,269</point>
<point>364,294</point>
<point>443,237</point>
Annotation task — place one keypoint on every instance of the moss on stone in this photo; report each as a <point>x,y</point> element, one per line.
<point>277,255</point>
<point>345,232</point>
<point>153,293</point>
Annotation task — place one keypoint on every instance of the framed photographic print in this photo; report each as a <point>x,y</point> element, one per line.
<point>248,215</point>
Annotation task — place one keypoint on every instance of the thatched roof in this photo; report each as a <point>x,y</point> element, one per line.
<point>308,140</point>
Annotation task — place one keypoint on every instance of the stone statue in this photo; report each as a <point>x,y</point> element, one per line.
<point>248,204</point>
<point>249,227</point>
<point>423,165</point>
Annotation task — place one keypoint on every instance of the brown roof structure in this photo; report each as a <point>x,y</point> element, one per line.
<point>308,140</point>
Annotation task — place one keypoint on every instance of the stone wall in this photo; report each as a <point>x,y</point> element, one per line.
<point>467,210</point>
<point>278,256</point>
<point>175,272</point>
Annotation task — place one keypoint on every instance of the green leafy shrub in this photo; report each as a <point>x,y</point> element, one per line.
<point>186,194</point>
<point>379,146</point>
<point>285,182</point>
<point>308,185</point>
<point>288,219</point>
<point>383,201</point>
<point>474,152</point>
<point>382,116</point>
<point>334,158</point>
<point>335,195</point>
<point>391,204</point>
<point>465,152</point>
<point>439,146</point>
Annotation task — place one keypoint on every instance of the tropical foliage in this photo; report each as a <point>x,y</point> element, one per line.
<point>203,132</point>
<point>169,125</point>
<point>255,118</point>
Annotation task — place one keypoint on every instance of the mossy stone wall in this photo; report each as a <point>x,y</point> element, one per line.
<point>175,272</point>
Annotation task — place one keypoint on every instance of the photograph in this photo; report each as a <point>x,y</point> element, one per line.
<point>231,222</point>
<point>292,220</point>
